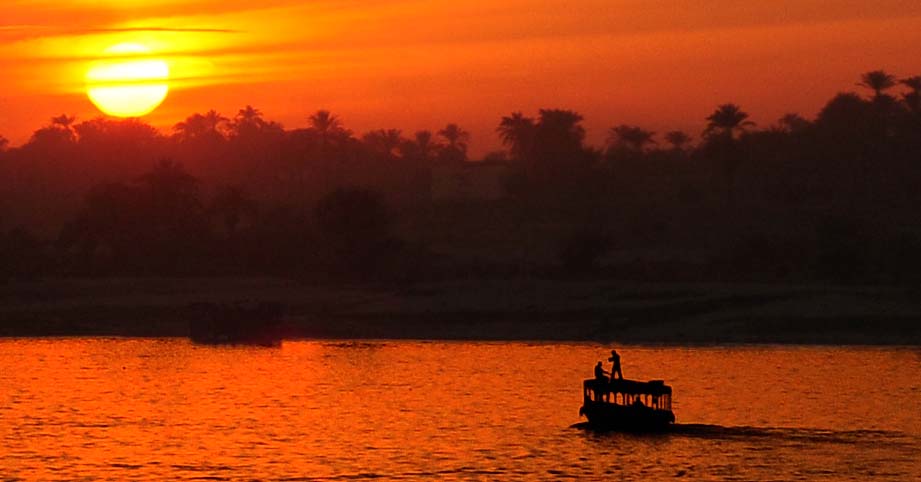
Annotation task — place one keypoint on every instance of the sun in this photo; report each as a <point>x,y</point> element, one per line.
<point>129,83</point>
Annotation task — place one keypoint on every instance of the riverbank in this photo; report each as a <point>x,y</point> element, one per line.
<point>517,309</point>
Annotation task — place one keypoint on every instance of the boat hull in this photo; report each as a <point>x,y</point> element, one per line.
<point>609,416</point>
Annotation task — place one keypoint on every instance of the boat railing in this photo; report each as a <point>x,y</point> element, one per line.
<point>654,394</point>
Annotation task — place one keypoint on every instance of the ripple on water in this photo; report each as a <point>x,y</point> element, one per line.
<point>164,409</point>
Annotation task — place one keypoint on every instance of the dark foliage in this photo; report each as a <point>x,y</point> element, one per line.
<point>354,224</point>
<point>832,198</point>
<point>580,252</point>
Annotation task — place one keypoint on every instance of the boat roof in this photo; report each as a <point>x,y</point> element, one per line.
<point>635,387</point>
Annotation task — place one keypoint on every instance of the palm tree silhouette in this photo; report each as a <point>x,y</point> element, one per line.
<point>878,81</point>
<point>456,137</point>
<point>678,139</point>
<point>250,121</point>
<point>913,98</point>
<point>561,124</point>
<point>456,148</point>
<point>727,120</point>
<point>913,83</point>
<point>793,122</point>
<point>424,145</point>
<point>323,121</point>
<point>630,137</point>
<point>329,131</point>
<point>65,124</point>
<point>63,121</point>
<point>327,126</point>
<point>249,114</point>
<point>385,142</point>
<point>722,126</point>
<point>517,132</point>
<point>59,133</point>
<point>3,143</point>
<point>198,126</point>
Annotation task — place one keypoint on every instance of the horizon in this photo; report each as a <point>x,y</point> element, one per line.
<point>389,239</point>
<point>622,64</point>
<point>596,141</point>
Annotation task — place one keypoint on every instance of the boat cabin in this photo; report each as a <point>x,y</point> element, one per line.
<point>654,394</point>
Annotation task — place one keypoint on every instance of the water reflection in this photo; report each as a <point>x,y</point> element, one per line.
<point>165,409</point>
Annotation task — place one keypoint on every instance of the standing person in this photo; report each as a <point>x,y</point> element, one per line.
<point>615,365</point>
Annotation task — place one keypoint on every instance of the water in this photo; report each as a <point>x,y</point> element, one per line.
<point>89,409</point>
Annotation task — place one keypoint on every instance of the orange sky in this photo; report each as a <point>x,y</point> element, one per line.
<point>419,64</point>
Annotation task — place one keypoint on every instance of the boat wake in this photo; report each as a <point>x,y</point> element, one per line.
<point>781,434</point>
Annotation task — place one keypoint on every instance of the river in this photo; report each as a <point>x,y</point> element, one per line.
<point>158,409</point>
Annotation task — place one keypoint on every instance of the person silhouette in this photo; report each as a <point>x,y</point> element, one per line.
<point>601,383</point>
<point>600,373</point>
<point>615,365</point>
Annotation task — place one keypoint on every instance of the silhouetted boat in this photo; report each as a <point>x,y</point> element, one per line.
<point>244,323</point>
<point>627,404</point>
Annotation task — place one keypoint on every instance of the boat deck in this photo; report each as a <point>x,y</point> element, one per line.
<point>627,404</point>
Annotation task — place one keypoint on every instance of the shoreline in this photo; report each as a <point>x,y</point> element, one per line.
<point>527,310</point>
<point>522,341</point>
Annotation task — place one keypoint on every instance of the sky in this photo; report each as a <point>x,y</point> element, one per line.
<point>420,64</point>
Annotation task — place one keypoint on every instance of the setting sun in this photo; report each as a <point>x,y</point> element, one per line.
<point>400,239</point>
<point>129,83</point>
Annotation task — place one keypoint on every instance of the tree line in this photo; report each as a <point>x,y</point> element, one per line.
<point>832,197</point>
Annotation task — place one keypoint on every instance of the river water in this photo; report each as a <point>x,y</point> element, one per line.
<point>119,409</point>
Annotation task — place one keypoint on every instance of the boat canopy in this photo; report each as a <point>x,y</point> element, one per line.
<point>631,387</point>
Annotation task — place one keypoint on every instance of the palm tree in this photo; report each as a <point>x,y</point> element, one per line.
<point>386,142</point>
<point>793,122</point>
<point>250,121</point>
<point>913,83</point>
<point>424,145</point>
<point>913,98</point>
<point>63,121</point>
<point>878,81</point>
<point>191,128</point>
<point>678,139</point>
<point>456,148</point>
<point>517,132</point>
<point>328,129</point>
<point>323,121</point>
<point>65,124</point>
<point>198,126</point>
<point>562,125</point>
<point>3,143</point>
<point>456,137</point>
<point>727,120</point>
<point>630,137</point>
<point>722,126</point>
<point>60,132</point>
<point>249,114</point>
<point>327,126</point>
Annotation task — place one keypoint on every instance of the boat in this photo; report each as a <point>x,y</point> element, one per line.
<point>627,405</point>
<point>240,323</point>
